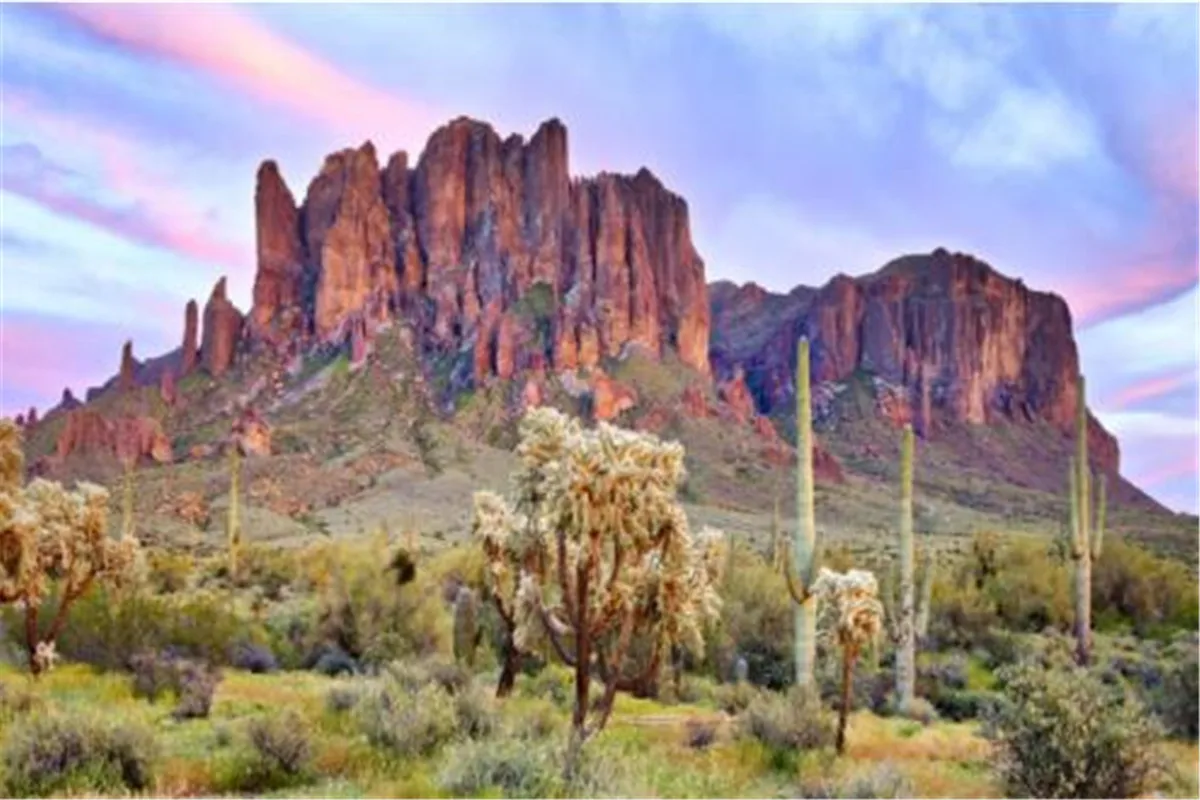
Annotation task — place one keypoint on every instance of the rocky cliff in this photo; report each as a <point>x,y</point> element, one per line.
<point>979,346</point>
<point>486,245</point>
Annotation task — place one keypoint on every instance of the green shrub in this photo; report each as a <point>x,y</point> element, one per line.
<point>785,724</point>
<point>734,698</point>
<point>475,710</point>
<point>1063,733</point>
<point>515,767</point>
<point>47,754</point>
<point>407,723</point>
<point>343,697</point>
<point>959,705</point>
<point>1176,703</point>
<point>756,623</point>
<point>1130,584</point>
<point>699,734</point>
<point>882,781</point>
<point>282,746</point>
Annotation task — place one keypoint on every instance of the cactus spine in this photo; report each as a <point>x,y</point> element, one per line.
<point>906,650</point>
<point>1086,539</point>
<point>466,627</point>
<point>234,526</point>
<point>801,572</point>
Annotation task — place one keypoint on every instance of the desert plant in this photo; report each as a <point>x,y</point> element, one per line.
<point>1177,702</point>
<point>881,781</point>
<point>623,563</point>
<point>805,555</point>
<point>233,528</point>
<point>466,626</point>
<point>787,724</point>
<point>342,697</point>
<point>1063,733</point>
<point>404,722</point>
<point>517,767</point>
<point>282,744</point>
<point>699,734</point>
<point>48,754</point>
<point>1086,539</point>
<point>850,603</point>
<point>51,536</point>
<point>255,658</point>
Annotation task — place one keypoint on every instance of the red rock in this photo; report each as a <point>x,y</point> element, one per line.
<point>166,388</point>
<point>360,341</point>
<point>694,402</point>
<point>348,238</point>
<point>191,339</point>
<point>826,467</point>
<point>609,397</point>
<point>252,434</point>
<point>200,452</point>
<point>128,366</point>
<point>86,432</point>
<point>31,418</point>
<point>279,281</point>
<point>531,395</point>
<point>396,196</point>
<point>736,395</point>
<point>222,332</point>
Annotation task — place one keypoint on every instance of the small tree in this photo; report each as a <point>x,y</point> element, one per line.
<point>853,618</point>
<point>51,536</point>
<point>606,556</point>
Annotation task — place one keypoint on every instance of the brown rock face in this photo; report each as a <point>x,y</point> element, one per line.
<point>222,331</point>
<point>349,242</point>
<point>68,401</point>
<point>87,432</point>
<point>610,398</point>
<point>991,348</point>
<point>736,395</point>
<point>191,339</point>
<point>279,281</point>
<point>127,367</point>
<point>31,418</point>
<point>489,244</point>
<point>252,434</point>
<point>166,388</point>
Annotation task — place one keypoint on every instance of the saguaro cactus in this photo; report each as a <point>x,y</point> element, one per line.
<point>1086,539</point>
<point>906,629</point>
<point>127,502</point>
<point>802,571</point>
<point>234,525</point>
<point>466,626</point>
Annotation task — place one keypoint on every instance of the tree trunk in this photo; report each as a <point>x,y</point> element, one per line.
<point>848,656</point>
<point>508,673</point>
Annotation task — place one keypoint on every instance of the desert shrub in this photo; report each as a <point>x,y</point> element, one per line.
<point>331,660</point>
<point>515,767</point>
<point>407,723</point>
<point>282,745</point>
<point>959,705</point>
<point>881,781</point>
<point>699,734</point>
<point>756,623</point>
<point>734,698</point>
<point>47,754</point>
<point>535,719</point>
<point>1177,702</point>
<point>343,697</point>
<point>1063,733</point>
<point>195,686</point>
<point>255,658</point>
<point>1131,585</point>
<point>785,724</point>
<point>554,681</point>
<point>168,572</point>
<point>475,709</point>
<point>16,701</point>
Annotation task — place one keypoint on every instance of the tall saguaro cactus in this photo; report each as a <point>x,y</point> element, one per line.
<point>906,651</point>
<point>234,525</point>
<point>127,523</point>
<point>1086,539</point>
<point>802,570</point>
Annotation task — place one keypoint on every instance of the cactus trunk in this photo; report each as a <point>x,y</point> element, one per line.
<point>466,627</point>
<point>906,634</point>
<point>235,526</point>
<point>127,502</point>
<point>804,542</point>
<point>1086,540</point>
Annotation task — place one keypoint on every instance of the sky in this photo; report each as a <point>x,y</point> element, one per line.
<point>1056,142</point>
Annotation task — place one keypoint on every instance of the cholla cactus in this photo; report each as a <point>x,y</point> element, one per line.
<point>49,534</point>
<point>596,551</point>
<point>852,618</point>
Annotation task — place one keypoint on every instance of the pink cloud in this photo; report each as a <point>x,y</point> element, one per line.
<point>230,44</point>
<point>153,211</point>
<point>1188,465</point>
<point>1112,292</point>
<point>1150,388</point>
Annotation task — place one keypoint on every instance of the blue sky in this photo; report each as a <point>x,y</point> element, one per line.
<point>1057,142</point>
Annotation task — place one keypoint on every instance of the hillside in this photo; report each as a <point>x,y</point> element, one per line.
<point>403,317</point>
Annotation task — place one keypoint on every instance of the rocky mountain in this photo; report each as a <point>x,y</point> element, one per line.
<point>485,269</point>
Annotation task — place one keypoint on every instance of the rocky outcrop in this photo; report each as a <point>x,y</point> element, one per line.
<point>610,398</point>
<point>222,331</point>
<point>68,401</point>
<point>251,434</point>
<point>991,348</point>
<point>128,366</point>
<point>736,395</point>
<point>130,438</point>
<point>167,389</point>
<point>486,244</point>
<point>190,347</point>
<point>279,281</point>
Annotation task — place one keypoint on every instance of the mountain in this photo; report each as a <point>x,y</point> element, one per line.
<point>402,317</point>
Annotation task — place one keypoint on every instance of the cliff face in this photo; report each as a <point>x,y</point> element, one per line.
<point>991,348</point>
<point>455,244</point>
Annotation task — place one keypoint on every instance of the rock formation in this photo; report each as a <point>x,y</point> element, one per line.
<point>68,401</point>
<point>222,331</point>
<point>251,434</point>
<point>991,348</point>
<point>487,243</point>
<point>87,432</point>
<point>166,388</point>
<point>191,338</point>
<point>128,366</point>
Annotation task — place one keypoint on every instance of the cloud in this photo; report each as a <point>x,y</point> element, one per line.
<point>1137,393</point>
<point>230,44</point>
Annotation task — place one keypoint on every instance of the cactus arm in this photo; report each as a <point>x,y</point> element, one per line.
<point>1073,489</point>
<point>1101,512</point>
